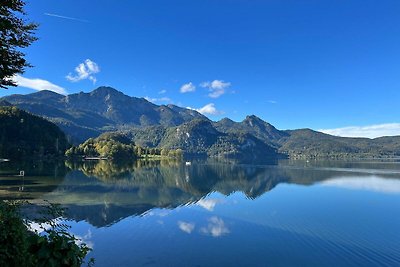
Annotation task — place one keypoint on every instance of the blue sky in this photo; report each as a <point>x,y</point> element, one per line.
<point>296,64</point>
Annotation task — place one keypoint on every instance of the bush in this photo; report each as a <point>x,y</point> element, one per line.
<point>53,247</point>
<point>13,237</point>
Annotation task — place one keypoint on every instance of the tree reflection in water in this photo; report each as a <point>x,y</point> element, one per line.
<point>103,192</point>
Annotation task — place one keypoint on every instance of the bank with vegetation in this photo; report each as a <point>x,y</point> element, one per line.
<point>118,146</point>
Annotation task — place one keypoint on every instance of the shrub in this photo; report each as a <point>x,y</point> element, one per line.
<point>54,246</point>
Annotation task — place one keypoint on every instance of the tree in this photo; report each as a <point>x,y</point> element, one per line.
<point>164,152</point>
<point>15,33</point>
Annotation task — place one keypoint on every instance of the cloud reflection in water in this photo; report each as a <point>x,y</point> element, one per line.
<point>216,227</point>
<point>208,204</point>
<point>373,183</point>
<point>186,226</point>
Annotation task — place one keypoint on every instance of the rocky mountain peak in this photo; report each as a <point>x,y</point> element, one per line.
<point>104,91</point>
<point>254,120</point>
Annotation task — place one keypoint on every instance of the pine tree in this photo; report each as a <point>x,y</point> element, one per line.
<point>15,33</point>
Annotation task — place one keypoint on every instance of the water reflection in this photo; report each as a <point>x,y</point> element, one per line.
<point>161,213</point>
<point>372,183</point>
<point>208,204</point>
<point>40,178</point>
<point>186,227</point>
<point>105,192</point>
<point>216,227</point>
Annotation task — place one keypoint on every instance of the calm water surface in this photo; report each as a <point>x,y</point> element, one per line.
<point>293,213</point>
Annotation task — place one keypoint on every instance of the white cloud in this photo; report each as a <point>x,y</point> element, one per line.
<point>272,101</point>
<point>208,204</point>
<point>186,227</point>
<point>93,79</point>
<point>162,92</point>
<point>373,183</point>
<point>38,84</point>
<point>84,71</point>
<point>208,109</point>
<point>161,99</point>
<point>187,88</point>
<point>216,87</point>
<point>371,131</point>
<point>216,227</point>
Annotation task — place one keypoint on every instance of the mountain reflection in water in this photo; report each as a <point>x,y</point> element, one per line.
<point>105,192</point>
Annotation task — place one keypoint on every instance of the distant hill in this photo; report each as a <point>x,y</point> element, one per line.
<point>312,144</point>
<point>307,143</point>
<point>85,115</point>
<point>26,135</point>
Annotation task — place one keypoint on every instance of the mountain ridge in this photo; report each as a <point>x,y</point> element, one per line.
<point>84,115</point>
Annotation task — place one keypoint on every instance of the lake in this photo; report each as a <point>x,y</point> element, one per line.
<point>160,213</point>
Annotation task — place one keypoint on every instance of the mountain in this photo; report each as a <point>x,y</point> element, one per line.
<point>199,137</point>
<point>252,125</point>
<point>85,115</point>
<point>4,103</point>
<point>307,143</point>
<point>26,135</point>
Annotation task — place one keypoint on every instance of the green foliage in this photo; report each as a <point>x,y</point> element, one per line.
<point>15,33</point>
<point>115,145</point>
<point>164,152</point>
<point>13,237</point>
<point>117,171</point>
<point>108,145</point>
<point>53,247</point>
<point>24,135</point>
<point>57,247</point>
